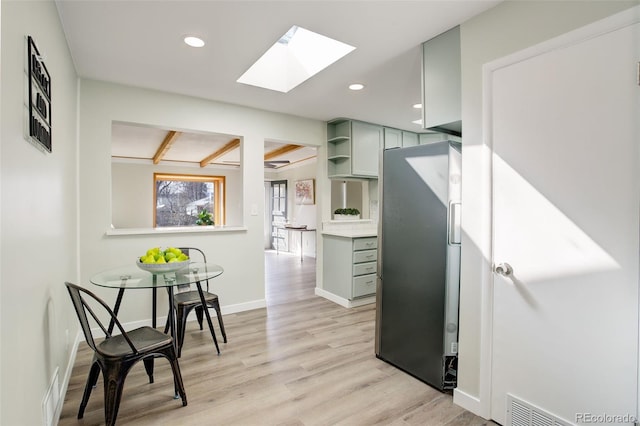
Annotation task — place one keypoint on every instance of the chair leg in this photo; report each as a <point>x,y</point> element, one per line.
<point>148,366</point>
<point>166,325</point>
<point>177,376</point>
<point>213,333</point>
<point>216,306</point>
<point>92,379</point>
<point>182,328</point>
<point>199,315</point>
<point>114,377</point>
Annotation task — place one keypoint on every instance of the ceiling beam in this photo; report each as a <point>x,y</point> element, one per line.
<point>166,144</point>
<point>280,151</point>
<point>228,147</point>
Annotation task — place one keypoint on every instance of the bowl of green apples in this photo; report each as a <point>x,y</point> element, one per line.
<point>158,261</point>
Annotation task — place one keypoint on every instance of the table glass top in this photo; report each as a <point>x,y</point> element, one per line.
<point>130,276</point>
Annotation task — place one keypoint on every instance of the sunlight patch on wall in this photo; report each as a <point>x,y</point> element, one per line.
<point>529,227</point>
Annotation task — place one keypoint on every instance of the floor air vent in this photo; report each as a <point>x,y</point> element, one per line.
<point>520,413</point>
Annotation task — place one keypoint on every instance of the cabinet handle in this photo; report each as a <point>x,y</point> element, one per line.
<point>369,256</point>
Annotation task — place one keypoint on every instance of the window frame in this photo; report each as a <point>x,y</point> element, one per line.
<point>220,196</point>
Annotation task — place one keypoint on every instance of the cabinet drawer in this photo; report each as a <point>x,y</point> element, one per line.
<point>365,243</point>
<point>364,268</point>
<point>365,256</point>
<point>364,285</point>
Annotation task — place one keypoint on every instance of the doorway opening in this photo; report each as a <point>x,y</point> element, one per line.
<point>290,252</point>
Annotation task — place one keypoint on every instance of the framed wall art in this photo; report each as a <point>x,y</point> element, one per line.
<point>305,191</point>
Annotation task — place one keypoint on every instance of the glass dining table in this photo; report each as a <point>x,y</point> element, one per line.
<point>129,277</point>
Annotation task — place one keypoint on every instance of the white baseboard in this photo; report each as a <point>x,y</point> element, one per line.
<point>67,374</point>
<point>242,307</point>
<point>469,403</point>
<point>342,301</point>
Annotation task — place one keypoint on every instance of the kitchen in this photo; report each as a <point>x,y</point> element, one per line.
<point>74,180</point>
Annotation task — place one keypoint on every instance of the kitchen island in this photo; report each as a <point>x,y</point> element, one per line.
<point>349,265</point>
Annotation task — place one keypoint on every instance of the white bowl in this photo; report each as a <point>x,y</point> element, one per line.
<point>162,268</point>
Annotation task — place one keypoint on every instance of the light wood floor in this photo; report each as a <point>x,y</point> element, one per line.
<point>301,361</point>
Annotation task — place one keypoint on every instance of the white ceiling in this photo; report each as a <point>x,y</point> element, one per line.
<point>140,43</point>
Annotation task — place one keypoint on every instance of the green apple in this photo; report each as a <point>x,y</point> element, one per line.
<point>153,251</point>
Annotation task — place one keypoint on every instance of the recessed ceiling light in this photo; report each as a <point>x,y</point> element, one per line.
<point>194,41</point>
<point>418,122</point>
<point>298,55</point>
<point>417,106</point>
<point>356,86</point>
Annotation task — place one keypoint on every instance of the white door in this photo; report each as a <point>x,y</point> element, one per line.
<point>566,186</point>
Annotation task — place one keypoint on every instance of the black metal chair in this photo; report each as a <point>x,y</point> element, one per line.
<point>187,298</point>
<point>116,354</point>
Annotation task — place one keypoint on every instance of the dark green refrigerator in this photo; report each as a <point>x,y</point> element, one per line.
<point>419,261</point>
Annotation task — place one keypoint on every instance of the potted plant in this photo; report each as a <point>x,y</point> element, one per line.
<point>348,213</point>
<point>204,218</point>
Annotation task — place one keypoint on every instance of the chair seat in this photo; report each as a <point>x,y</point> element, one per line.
<point>144,338</point>
<point>192,297</point>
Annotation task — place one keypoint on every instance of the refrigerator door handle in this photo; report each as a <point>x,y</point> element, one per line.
<point>453,224</point>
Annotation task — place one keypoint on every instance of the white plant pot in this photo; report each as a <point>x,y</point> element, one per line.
<point>346,216</point>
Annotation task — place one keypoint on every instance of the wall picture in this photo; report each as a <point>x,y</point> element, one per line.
<point>39,98</point>
<point>305,191</point>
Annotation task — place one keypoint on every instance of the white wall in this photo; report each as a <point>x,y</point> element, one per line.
<point>505,29</point>
<point>132,192</point>
<point>241,253</point>
<point>39,218</point>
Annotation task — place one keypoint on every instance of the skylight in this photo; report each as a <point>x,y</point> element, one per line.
<point>297,56</point>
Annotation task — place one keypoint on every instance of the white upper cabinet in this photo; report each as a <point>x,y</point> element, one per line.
<point>366,143</point>
<point>353,149</point>
<point>441,87</point>
<point>409,139</point>
<point>392,138</point>
<point>395,138</point>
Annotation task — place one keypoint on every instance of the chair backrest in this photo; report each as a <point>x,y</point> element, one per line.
<point>82,308</point>
<point>195,255</point>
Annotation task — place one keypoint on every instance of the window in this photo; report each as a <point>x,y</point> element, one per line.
<point>179,199</point>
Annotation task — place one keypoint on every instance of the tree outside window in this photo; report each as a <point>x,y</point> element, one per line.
<point>181,199</point>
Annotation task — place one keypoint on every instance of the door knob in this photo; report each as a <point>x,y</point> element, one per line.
<point>504,269</point>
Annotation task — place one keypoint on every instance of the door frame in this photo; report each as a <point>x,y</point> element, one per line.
<point>482,404</point>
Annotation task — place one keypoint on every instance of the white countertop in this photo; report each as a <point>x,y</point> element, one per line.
<point>351,233</point>
<point>350,228</point>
